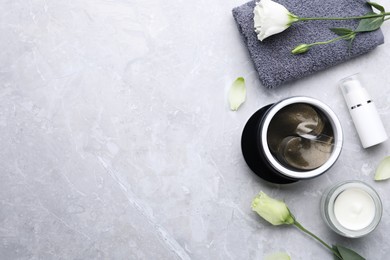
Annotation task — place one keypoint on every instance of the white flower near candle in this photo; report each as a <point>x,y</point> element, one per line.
<point>271,18</point>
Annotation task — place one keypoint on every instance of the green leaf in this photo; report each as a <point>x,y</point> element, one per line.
<point>237,93</point>
<point>341,31</point>
<point>383,170</point>
<point>370,24</point>
<point>335,257</point>
<point>377,6</point>
<point>346,253</point>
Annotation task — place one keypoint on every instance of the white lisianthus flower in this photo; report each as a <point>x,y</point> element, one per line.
<point>274,211</point>
<point>271,18</point>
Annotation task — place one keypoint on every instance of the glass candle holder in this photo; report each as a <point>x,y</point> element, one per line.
<point>351,208</point>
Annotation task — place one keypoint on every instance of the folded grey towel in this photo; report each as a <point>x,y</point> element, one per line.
<point>272,57</point>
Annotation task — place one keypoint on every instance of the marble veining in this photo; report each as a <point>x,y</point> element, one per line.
<point>118,142</point>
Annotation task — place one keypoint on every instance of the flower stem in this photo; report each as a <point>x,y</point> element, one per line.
<point>331,40</point>
<point>299,226</point>
<point>344,18</point>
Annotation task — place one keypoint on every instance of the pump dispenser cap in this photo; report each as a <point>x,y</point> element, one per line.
<point>354,93</point>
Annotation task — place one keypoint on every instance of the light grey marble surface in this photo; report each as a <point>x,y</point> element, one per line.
<point>118,142</point>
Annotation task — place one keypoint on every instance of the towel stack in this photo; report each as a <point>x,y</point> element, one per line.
<point>272,57</point>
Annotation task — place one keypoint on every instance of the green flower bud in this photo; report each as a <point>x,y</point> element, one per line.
<point>302,48</point>
<point>274,211</point>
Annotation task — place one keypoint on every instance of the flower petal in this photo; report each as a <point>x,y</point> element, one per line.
<point>383,170</point>
<point>277,256</point>
<point>237,93</point>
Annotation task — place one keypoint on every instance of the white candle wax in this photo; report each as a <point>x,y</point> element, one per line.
<point>354,209</point>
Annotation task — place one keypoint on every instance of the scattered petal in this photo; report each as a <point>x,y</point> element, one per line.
<point>237,93</point>
<point>383,170</point>
<point>277,256</point>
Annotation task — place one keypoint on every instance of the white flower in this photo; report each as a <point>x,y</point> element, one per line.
<point>271,18</point>
<point>274,211</point>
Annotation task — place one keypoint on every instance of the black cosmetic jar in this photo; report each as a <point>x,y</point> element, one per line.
<point>294,139</point>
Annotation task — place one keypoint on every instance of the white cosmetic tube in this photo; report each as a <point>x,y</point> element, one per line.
<point>364,114</point>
